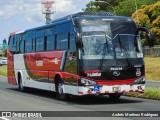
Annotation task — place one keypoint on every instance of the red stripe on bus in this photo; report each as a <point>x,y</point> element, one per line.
<point>136,90</point>
<point>131,91</point>
<point>116,92</point>
<point>89,92</point>
<point>115,82</point>
<point>80,92</point>
<point>106,92</point>
<point>124,91</point>
<point>98,92</point>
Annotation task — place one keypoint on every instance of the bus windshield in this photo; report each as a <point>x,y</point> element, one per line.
<point>95,45</point>
<point>111,41</point>
<point>127,46</point>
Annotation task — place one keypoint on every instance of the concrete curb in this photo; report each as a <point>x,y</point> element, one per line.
<point>152,81</point>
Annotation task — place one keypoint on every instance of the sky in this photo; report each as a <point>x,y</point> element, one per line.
<point>25,14</point>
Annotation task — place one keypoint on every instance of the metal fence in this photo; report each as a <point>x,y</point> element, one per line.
<point>151,52</point>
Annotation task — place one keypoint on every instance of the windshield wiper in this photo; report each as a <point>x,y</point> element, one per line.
<point>103,53</point>
<point>121,45</point>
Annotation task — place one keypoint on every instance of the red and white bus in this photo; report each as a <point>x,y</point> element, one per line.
<point>81,54</point>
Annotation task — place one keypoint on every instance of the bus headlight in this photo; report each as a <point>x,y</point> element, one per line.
<point>87,82</point>
<point>140,80</point>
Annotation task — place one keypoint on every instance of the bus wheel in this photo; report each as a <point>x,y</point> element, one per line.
<point>21,87</point>
<point>60,90</point>
<point>114,96</point>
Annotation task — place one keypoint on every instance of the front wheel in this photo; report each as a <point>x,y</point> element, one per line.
<point>60,90</point>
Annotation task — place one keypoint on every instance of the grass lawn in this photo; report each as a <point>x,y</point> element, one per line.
<point>152,68</point>
<point>149,93</point>
<point>3,70</point>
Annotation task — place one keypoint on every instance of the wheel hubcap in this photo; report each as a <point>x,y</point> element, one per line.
<point>60,89</point>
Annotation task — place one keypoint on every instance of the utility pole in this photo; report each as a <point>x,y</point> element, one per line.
<point>48,10</point>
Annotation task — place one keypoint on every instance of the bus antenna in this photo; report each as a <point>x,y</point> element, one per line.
<point>48,10</point>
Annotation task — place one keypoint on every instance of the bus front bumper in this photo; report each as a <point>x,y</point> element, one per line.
<point>108,89</point>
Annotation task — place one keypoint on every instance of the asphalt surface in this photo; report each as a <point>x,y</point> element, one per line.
<point>36,100</point>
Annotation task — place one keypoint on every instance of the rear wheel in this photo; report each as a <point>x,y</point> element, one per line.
<point>21,86</point>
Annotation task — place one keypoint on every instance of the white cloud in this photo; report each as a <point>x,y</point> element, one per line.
<point>29,19</point>
<point>25,14</point>
<point>22,8</point>
<point>66,7</point>
<point>31,9</point>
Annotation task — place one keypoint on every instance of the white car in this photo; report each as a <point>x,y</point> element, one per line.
<point>3,61</point>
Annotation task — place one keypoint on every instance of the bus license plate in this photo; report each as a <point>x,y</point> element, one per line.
<point>116,89</point>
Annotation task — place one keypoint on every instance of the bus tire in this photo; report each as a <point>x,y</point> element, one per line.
<point>114,96</point>
<point>60,90</point>
<point>21,87</point>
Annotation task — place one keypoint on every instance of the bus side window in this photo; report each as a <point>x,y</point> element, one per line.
<point>10,43</point>
<point>40,44</point>
<point>22,44</point>
<point>17,43</point>
<point>28,45</point>
<point>50,41</point>
<point>72,43</point>
<point>33,44</point>
<point>33,35</point>
<point>14,44</point>
<point>62,41</point>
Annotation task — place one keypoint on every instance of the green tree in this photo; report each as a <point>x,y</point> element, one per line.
<point>4,53</point>
<point>127,7</point>
<point>149,16</point>
<point>118,7</point>
<point>102,5</point>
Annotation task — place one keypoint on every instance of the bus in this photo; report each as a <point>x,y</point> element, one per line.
<point>87,53</point>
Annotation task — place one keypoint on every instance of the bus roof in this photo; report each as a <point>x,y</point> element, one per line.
<point>16,32</point>
<point>70,17</point>
<point>83,14</point>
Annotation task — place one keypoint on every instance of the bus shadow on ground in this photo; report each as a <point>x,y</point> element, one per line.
<point>101,99</point>
<point>81,100</point>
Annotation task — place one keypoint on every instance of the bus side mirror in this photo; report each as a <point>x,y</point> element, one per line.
<point>149,36</point>
<point>78,40</point>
